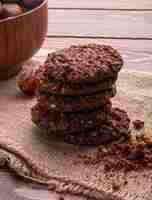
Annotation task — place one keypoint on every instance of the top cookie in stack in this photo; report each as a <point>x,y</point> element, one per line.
<point>82,69</point>
<point>76,86</point>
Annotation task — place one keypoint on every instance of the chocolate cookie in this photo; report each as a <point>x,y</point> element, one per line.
<point>77,89</point>
<point>75,104</point>
<point>69,122</point>
<point>115,127</point>
<point>90,63</point>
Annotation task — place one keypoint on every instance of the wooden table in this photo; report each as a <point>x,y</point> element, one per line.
<point>125,24</point>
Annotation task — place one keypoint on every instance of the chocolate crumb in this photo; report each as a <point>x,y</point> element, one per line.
<point>125,182</point>
<point>121,155</point>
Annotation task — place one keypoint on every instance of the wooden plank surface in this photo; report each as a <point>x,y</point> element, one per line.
<point>137,54</point>
<point>107,4</point>
<point>89,23</point>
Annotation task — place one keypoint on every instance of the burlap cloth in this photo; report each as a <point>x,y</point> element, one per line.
<point>36,156</point>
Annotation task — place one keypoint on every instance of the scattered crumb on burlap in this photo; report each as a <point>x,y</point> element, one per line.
<point>35,155</point>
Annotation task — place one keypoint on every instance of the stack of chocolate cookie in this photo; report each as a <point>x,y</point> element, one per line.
<point>74,95</point>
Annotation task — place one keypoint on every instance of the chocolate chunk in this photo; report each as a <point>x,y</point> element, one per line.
<point>115,185</point>
<point>138,124</point>
<point>61,198</point>
<point>136,154</point>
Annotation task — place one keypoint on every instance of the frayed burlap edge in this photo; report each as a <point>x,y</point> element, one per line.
<point>23,166</point>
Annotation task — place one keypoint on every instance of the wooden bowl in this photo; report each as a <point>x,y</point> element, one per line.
<point>20,38</point>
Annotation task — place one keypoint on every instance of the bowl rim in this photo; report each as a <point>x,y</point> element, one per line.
<point>24,14</point>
